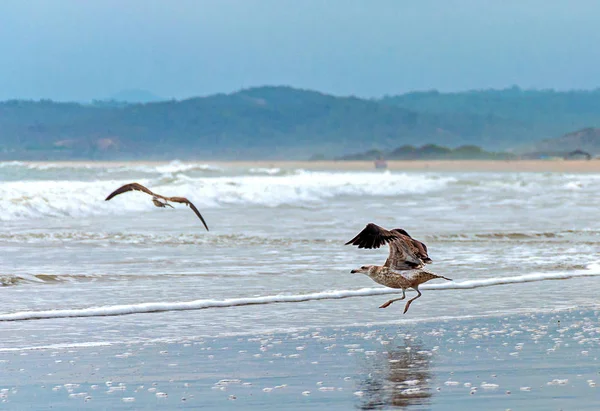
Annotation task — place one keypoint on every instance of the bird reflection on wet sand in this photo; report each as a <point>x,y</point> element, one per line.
<point>399,378</point>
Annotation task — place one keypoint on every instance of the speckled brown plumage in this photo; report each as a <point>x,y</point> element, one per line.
<point>156,198</point>
<point>402,268</point>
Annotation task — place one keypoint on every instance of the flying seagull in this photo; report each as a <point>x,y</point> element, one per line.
<point>157,199</point>
<point>402,269</point>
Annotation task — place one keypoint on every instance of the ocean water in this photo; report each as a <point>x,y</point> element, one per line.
<point>76,270</point>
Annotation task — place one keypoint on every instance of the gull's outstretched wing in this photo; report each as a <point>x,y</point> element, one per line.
<point>131,187</point>
<point>405,254</point>
<point>373,236</point>
<point>184,200</point>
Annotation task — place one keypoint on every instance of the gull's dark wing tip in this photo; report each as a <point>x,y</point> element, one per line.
<point>118,191</point>
<point>351,241</point>
<point>114,193</point>
<point>192,206</point>
<point>372,236</point>
<point>128,187</point>
<point>362,236</point>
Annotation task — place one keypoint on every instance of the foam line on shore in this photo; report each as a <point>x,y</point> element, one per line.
<point>153,307</point>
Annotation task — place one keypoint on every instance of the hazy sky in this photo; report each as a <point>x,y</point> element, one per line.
<point>84,49</point>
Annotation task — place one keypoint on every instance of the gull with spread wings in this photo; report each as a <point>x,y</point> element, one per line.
<point>157,199</point>
<point>402,269</point>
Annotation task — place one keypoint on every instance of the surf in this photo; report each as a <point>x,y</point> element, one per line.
<point>155,307</point>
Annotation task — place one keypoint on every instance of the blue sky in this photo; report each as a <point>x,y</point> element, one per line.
<point>80,50</point>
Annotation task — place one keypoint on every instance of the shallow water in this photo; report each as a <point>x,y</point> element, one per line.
<point>276,232</point>
<point>532,362</point>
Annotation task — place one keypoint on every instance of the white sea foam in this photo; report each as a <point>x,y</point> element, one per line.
<point>312,187</point>
<point>173,167</point>
<point>31,190</point>
<point>88,344</point>
<point>62,198</point>
<point>594,270</point>
<point>268,171</point>
<point>4,164</point>
<point>38,199</point>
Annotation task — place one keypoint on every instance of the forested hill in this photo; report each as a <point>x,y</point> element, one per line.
<point>282,122</point>
<point>510,116</point>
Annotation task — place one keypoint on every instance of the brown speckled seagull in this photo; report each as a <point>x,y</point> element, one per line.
<point>157,199</point>
<point>402,269</point>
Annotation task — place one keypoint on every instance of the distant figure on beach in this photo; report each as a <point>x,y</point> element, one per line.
<point>157,199</point>
<point>380,163</point>
<point>402,269</point>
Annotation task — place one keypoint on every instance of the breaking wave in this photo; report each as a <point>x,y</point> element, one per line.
<point>39,190</point>
<point>6,164</point>
<point>174,166</point>
<point>63,198</point>
<point>116,310</point>
<point>171,168</point>
<point>61,237</point>
<point>14,279</point>
<point>506,235</point>
<point>579,236</point>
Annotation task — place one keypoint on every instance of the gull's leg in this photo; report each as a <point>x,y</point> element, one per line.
<point>167,204</point>
<point>395,299</point>
<point>413,299</point>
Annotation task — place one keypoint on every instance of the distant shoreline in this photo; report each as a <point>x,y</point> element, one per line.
<point>566,166</point>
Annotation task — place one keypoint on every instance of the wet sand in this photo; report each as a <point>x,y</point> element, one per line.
<point>570,166</point>
<point>534,362</point>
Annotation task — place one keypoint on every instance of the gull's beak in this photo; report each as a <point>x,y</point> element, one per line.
<point>353,271</point>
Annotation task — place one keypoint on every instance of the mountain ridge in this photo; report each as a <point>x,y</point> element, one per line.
<point>285,122</point>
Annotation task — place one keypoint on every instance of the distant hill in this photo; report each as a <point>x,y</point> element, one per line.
<point>430,152</point>
<point>266,122</point>
<point>587,139</point>
<point>283,122</point>
<point>510,118</point>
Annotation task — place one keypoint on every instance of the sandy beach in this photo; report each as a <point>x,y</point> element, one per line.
<point>564,166</point>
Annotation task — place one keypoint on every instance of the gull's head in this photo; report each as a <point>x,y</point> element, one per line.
<point>365,269</point>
